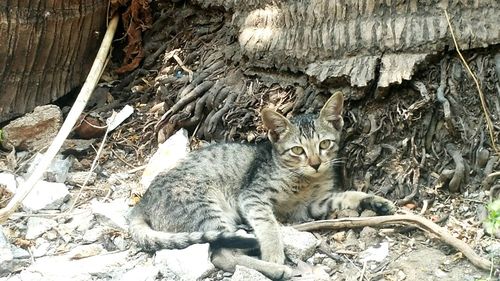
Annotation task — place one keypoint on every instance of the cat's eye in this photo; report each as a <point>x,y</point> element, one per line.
<point>324,144</point>
<point>297,150</point>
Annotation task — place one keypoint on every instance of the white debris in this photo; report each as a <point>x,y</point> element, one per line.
<point>112,214</point>
<point>46,196</point>
<point>299,245</point>
<point>244,273</point>
<point>377,254</point>
<point>166,157</point>
<point>38,226</point>
<point>141,273</point>
<point>191,263</point>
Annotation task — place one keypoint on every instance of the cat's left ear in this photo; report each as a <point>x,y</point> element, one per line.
<point>276,124</point>
<point>331,112</point>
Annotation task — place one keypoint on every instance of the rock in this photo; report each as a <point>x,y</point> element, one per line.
<point>58,169</point>
<point>191,263</point>
<point>76,146</point>
<point>33,131</point>
<point>9,181</point>
<point>19,253</point>
<point>85,251</point>
<point>78,178</point>
<point>93,235</point>
<point>11,260</point>
<point>38,226</point>
<point>377,254</point>
<point>120,243</point>
<point>42,248</point>
<point>46,196</point>
<point>493,250</point>
<point>101,267</point>
<point>141,273</point>
<point>112,214</point>
<point>369,236</point>
<point>299,245</point>
<point>244,273</point>
<point>167,156</point>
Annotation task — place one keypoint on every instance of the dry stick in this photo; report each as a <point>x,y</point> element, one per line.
<point>481,95</point>
<point>409,219</point>
<point>74,113</point>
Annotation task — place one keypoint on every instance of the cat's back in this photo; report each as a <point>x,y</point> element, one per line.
<point>219,162</point>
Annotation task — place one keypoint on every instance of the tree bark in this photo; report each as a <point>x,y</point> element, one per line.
<point>46,49</point>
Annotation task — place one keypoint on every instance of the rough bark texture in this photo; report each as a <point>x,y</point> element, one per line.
<point>47,49</point>
<point>349,39</point>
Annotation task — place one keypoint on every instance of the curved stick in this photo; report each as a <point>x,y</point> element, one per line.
<point>74,113</point>
<point>413,220</point>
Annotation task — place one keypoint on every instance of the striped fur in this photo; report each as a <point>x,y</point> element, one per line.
<point>214,190</point>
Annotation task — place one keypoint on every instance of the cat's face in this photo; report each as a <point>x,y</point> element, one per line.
<point>306,144</point>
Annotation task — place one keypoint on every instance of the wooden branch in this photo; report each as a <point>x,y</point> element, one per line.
<point>413,220</point>
<point>74,113</point>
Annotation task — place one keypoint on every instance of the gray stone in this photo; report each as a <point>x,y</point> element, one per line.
<point>78,178</point>
<point>369,236</point>
<point>41,249</point>
<point>8,181</point>
<point>112,214</point>
<point>46,196</point>
<point>299,245</point>
<point>76,145</point>
<point>19,253</point>
<point>58,169</point>
<point>140,273</point>
<point>244,274</point>
<point>38,226</point>
<point>93,234</point>
<point>191,263</point>
<point>33,131</point>
<point>85,251</point>
<point>494,250</point>
<point>63,268</point>
<point>120,243</point>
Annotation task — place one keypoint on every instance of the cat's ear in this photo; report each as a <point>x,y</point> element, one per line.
<point>331,113</point>
<point>276,124</point>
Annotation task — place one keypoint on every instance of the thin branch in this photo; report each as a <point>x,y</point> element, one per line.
<point>71,119</point>
<point>412,220</point>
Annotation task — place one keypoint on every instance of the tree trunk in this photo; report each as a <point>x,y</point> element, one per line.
<point>46,49</point>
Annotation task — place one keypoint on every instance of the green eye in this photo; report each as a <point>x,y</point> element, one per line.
<point>297,150</point>
<point>324,144</point>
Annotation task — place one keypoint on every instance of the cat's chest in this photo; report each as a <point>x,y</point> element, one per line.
<point>303,192</point>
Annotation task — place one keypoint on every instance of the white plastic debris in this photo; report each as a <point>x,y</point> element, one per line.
<point>375,254</point>
<point>116,119</point>
<point>166,157</point>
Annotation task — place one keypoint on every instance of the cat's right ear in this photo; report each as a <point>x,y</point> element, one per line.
<point>276,124</point>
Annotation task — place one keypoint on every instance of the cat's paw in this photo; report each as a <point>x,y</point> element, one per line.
<point>378,204</point>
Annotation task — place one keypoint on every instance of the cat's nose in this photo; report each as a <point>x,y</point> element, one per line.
<point>315,166</point>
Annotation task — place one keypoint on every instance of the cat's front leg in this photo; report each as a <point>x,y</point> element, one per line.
<point>360,201</point>
<point>259,214</point>
<point>354,200</point>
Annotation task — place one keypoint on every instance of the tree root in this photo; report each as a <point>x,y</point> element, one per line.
<point>409,219</point>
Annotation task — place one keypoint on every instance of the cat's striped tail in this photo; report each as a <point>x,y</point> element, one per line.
<point>152,240</point>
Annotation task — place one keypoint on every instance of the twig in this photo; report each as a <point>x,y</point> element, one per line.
<point>71,119</point>
<point>413,220</point>
<point>481,95</point>
<point>92,168</point>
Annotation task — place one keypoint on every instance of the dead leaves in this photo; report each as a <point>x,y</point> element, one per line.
<point>136,19</point>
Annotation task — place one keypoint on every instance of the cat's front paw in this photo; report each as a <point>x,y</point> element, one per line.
<point>378,204</point>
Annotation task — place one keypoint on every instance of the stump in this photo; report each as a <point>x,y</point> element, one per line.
<point>46,50</point>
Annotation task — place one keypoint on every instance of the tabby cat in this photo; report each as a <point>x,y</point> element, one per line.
<point>215,190</point>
